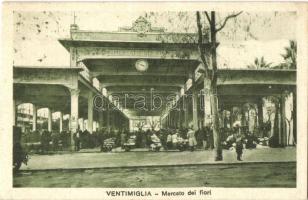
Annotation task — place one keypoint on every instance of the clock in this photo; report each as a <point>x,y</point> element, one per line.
<point>142,65</point>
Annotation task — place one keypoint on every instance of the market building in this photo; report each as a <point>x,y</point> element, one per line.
<point>117,79</point>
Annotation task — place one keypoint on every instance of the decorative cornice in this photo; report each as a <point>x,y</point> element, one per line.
<point>141,26</point>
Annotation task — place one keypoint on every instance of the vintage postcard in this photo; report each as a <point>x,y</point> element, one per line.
<point>160,100</point>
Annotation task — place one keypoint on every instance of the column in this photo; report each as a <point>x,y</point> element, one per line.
<point>100,119</point>
<point>177,118</point>
<point>171,119</point>
<point>185,107</point>
<point>174,119</point>
<point>231,117</point>
<point>69,122</point>
<point>74,114</point>
<point>180,118</point>
<point>14,113</point>
<point>34,117</point>
<point>260,112</point>
<point>90,112</point>
<point>49,120</point>
<point>81,123</point>
<point>243,116</point>
<point>207,104</point>
<point>111,120</point>
<point>108,119</point>
<point>185,114</point>
<point>61,122</point>
<point>195,110</point>
<point>283,120</point>
<point>294,116</point>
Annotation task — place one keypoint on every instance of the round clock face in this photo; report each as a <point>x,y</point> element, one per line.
<point>142,65</point>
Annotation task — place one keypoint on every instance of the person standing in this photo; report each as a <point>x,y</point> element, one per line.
<point>44,141</point>
<point>203,138</point>
<point>55,139</point>
<point>210,137</point>
<point>102,137</point>
<point>77,137</point>
<point>192,142</point>
<point>169,141</point>
<point>239,146</point>
<point>123,139</point>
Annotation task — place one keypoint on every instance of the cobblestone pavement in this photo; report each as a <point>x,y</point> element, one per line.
<point>145,158</point>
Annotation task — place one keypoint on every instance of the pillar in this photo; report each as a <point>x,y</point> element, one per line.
<point>74,114</point>
<point>260,112</point>
<point>49,120</point>
<point>283,120</point>
<point>90,112</point>
<point>34,117</point>
<point>171,118</point>
<point>100,119</point>
<point>69,123</point>
<point>195,110</point>
<point>174,119</point>
<point>61,122</point>
<point>185,113</point>
<point>180,118</point>
<point>294,115</point>
<point>81,123</point>
<point>111,120</point>
<point>207,104</point>
<point>243,116</point>
<point>14,113</point>
<point>231,117</point>
<point>108,120</point>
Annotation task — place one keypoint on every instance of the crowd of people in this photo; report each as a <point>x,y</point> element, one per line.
<point>170,138</point>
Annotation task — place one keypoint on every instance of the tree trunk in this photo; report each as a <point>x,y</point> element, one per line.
<point>215,119</point>
<point>213,91</point>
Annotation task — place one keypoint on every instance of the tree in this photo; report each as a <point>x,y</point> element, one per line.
<point>290,63</point>
<point>210,68</point>
<point>207,29</point>
<point>259,63</point>
<point>290,55</point>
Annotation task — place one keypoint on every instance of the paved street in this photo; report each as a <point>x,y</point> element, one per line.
<point>266,167</point>
<point>231,175</point>
<point>126,159</point>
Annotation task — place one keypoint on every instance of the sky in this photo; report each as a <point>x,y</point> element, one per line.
<point>248,36</point>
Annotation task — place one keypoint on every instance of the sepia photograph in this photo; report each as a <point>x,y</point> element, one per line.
<point>152,98</point>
